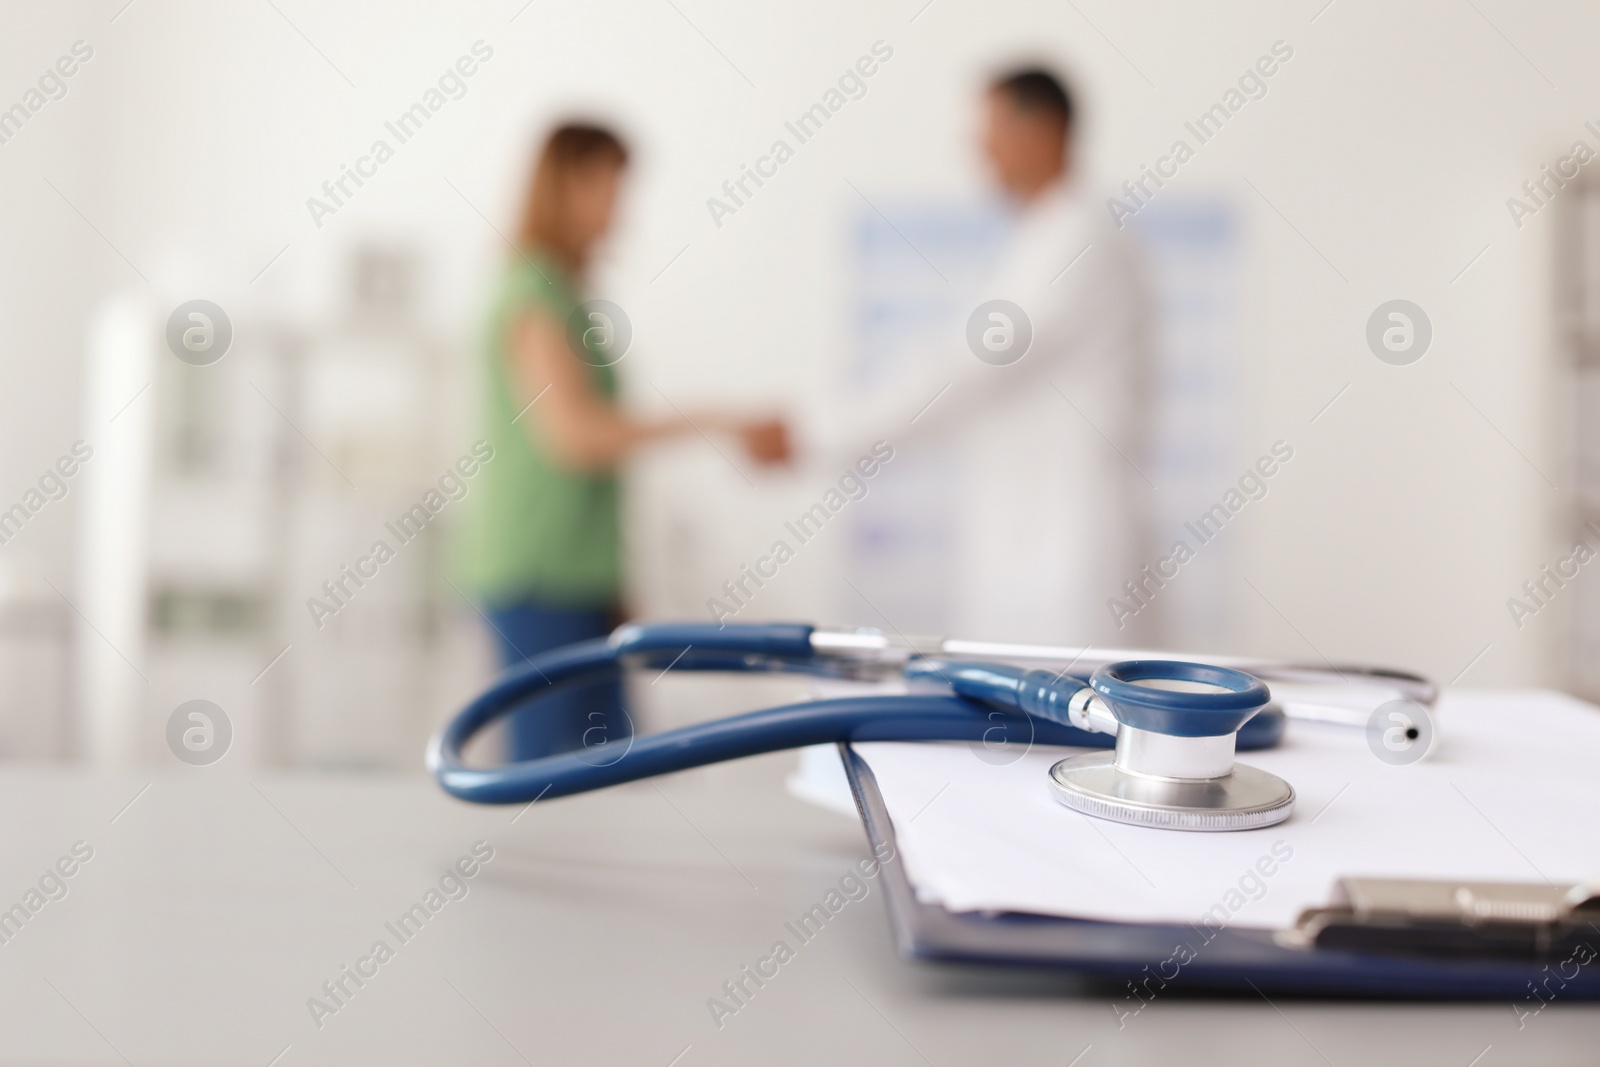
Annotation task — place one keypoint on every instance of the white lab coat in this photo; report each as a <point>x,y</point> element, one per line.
<point>1045,498</point>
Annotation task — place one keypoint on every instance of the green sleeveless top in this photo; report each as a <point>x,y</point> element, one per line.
<point>537,531</point>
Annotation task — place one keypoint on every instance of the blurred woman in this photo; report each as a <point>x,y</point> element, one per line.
<point>545,545</point>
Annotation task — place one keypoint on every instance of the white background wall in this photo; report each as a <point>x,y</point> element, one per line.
<point>1386,148</point>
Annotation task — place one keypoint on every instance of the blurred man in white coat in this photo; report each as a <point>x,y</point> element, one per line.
<point>1043,401</point>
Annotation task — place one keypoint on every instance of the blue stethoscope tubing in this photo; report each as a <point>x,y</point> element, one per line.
<point>995,703</point>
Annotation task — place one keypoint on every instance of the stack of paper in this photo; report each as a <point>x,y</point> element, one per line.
<point>1511,792</point>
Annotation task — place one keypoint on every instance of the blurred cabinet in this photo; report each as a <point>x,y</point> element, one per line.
<point>1577,278</point>
<point>272,471</point>
<point>369,389</point>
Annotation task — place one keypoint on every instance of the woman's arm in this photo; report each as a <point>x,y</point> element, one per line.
<point>585,430</point>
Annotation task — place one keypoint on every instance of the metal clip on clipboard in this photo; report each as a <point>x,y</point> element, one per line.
<point>1463,919</point>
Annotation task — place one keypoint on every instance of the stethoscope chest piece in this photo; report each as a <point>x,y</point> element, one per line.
<point>1241,800</point>
<point>1173,765</point>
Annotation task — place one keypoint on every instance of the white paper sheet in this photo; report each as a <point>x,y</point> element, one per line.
<point>1510,793</point>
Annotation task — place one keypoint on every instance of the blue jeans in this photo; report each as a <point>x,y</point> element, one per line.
<point>559,722</point>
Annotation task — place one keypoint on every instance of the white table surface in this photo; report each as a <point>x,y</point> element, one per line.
<point>219,901</point>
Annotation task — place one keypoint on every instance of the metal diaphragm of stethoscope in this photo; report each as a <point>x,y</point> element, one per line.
<point>1172,723</point>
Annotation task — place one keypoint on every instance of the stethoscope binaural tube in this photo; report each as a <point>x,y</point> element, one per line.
<point>951,716</point>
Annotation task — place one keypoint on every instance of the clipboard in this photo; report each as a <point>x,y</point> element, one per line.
<point>1391,959</point>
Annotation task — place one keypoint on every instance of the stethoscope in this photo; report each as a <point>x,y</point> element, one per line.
<point>1172,724</point>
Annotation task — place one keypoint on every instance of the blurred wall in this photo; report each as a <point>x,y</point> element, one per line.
<point>1377,166</point>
